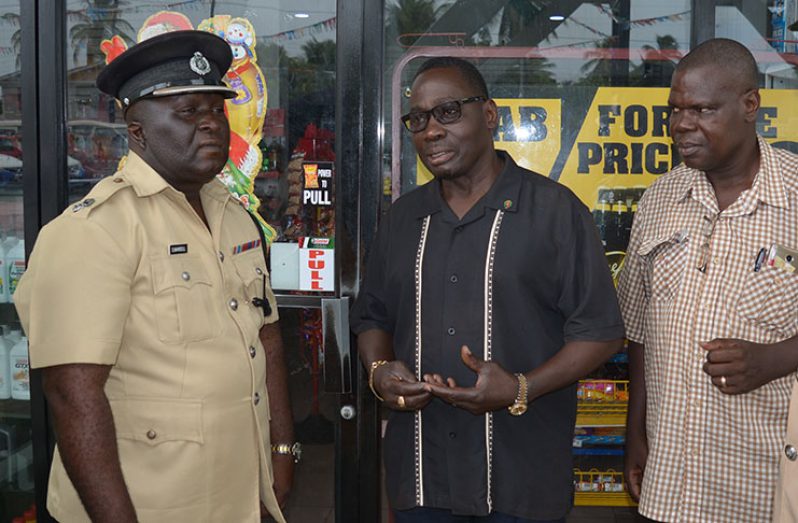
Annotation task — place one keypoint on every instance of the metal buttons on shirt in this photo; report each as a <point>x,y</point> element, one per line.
<point>450,331</point>
<point>258,271</point>
<point>252,351</point>
<point>221,256</point>
<point>257,398</point>
<point>453,278</point>
<point>234,304</point>
<point>151,434</point>
<point>186,276</point>
<point>791,452</point>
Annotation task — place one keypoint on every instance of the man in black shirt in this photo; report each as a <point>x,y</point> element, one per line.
<point>486,297</point>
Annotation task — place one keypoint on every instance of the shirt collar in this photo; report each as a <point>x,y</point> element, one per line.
<point>503,194</point>
<point>146,181</point>
<point>768,186</point>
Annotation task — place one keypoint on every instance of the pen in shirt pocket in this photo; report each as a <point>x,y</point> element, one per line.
<point>760,258</point>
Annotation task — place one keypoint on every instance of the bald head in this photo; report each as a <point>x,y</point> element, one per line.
<point>720,53</point>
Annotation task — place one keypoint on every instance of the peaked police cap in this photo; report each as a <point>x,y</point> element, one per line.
<point>178,62</point>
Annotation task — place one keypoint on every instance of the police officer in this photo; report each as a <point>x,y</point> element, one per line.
<point>149,311</point>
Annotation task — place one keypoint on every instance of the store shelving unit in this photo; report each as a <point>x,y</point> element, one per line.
<point>599,439</point>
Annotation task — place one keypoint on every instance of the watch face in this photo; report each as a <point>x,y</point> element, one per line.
<point>517,409</point>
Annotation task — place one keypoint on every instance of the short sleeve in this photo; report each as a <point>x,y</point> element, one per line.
<point>631,287</point>
<point>74,297</point>
<point>370,310</point>
<point>587,297</point>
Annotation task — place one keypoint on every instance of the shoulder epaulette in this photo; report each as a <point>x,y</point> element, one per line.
<point>101,193</point>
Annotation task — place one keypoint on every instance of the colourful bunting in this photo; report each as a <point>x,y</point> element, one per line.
<point>642,21</point>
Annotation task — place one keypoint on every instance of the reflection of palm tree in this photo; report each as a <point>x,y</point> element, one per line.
<point>321,54</point>
<point>598,70</point>
<point>529,71</point>
<point>99,21</point>
<point>516,17</point>
<point>16,38</point>
<point>313,72</point>
<point>412,16</point>
<point>658,64</point>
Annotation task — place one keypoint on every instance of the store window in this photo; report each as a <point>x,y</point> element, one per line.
<point>281,162</point>
<point>16,447</point>
<point>582,90</point>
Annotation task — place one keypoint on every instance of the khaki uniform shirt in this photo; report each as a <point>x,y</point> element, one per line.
<point>785,510</point>
<point>132,278</point>
<point>711,456</point>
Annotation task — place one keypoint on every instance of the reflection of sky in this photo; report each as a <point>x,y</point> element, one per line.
<point>268,17</point>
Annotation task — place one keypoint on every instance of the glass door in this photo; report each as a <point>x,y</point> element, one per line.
<point>16,440</point>
<point>581,88</point>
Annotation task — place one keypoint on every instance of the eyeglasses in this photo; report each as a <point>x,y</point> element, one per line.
<point>445,113</point>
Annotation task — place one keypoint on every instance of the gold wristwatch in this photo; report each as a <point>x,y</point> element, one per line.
<point>519,407</point>
<point>294,450</point>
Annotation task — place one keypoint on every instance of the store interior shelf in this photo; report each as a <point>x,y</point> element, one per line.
<point>600,488</point>
<point>582,440</point>
<point>603,499</point>
<point>597,451</point>
<point>17,409</point>
<point>602,403</point>
<point>8,314</point>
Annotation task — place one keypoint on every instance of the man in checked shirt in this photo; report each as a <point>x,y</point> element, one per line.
<point>711,318</point>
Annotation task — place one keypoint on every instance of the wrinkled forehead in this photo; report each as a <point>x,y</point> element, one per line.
<point>436,86</point>
<point>709,77</point>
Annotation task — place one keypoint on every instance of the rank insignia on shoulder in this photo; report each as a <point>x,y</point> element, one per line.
<point>238,249</point>
<point>179,248</point>
<point>88,202</point>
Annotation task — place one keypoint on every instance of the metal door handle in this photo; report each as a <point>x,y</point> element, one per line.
<point>336,358</point>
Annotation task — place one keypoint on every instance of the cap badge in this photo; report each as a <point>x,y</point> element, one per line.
<point>199,64</point>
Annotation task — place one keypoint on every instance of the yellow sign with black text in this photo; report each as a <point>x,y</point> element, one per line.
<point>624,140</point>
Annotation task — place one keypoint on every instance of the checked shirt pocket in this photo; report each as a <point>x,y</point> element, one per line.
<point>666,260</point>
<point>770,297</point>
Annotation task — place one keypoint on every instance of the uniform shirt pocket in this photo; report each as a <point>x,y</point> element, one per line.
<point>769,297</point>
<point>183,293</point>
<point>161,443</point>
<point>666,260</point>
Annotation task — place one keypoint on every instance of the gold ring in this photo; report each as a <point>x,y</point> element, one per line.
<point>401,402</point>
<point>723,381</point>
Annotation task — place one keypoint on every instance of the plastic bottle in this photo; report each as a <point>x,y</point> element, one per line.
<point>15,267</point>
<point>5,369</point>
<point>13,336</point>
<point>3,283</point>
<point>20,375</point>
<point>8,244</point>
